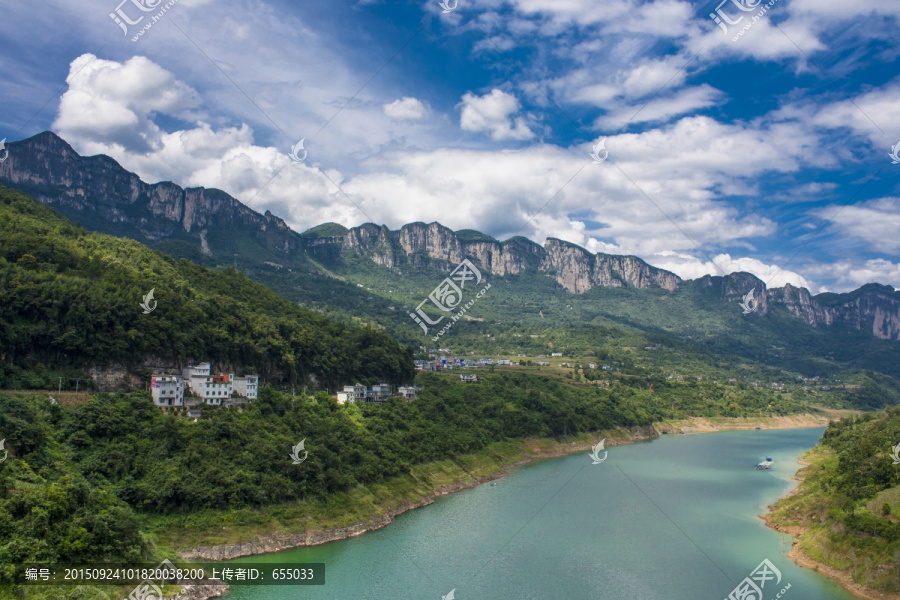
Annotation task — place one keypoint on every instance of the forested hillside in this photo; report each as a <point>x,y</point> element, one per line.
<point>848,506</point>
<point>70,298</point>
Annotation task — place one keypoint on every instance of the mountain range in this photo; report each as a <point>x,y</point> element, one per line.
<point>210,227</point>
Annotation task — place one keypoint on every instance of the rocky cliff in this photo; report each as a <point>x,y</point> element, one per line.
<point>97,192</point>
<point>571,266</point>
<point>873,307</point>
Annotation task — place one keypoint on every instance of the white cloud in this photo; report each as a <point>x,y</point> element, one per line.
<point>849,274</point>
<point>874,222</point>
<point>688,266</point>
<point>492,113</point>
<point>663,108</point>
<point>406,109</point>
<point>114,102</point>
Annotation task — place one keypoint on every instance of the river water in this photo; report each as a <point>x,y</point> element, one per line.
<point>673,519</point>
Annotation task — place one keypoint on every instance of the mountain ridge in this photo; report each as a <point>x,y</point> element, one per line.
<point>101,194</point>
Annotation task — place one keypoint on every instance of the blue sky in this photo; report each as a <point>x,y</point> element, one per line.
<point>766,152</point>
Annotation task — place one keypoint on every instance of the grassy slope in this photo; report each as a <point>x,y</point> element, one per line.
<point>837,510</point>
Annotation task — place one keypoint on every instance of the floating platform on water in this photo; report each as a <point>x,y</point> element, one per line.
<point>766,464</point>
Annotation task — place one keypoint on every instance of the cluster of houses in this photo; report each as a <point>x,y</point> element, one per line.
<point>446,363</point>
<point>224,389</point>
<point>221,389</point>
<point>379,393</point>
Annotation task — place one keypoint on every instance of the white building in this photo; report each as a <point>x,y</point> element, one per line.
<point>408,393</point>
<point>167,390</point>
<point>504,361</point>
<point>352,394</point>
<point>212,389</point>
<point>247,386</point>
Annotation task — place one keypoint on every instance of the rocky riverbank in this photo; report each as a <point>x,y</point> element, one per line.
<point>798,556</point>
<point>532,449</point>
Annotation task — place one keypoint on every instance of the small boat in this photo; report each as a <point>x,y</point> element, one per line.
<point>766,464</point>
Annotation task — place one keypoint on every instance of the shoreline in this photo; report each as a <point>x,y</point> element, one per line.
<point>532,449</point>
<point>802,560</point>
<point>269,543</point>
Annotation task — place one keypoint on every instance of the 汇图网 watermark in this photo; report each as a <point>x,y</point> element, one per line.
<point>448,296</point>
<point>148,298</point>
<point>595,455</point>
<point>749,303</point>
<point>751,588</point>
<point>295,452</point>
<point>724,21</point>
<point>123,20</point>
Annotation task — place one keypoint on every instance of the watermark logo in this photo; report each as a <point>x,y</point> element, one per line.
<point>895,153</point>
<point>451,595</point>
<point>599,152</point>
<point>146,303</point>
<point>146,591</point>
<point>123,20</point>
<point>724,21</point>
<point>895,453</point>
<point>5,452</point>
<point>295,152</point>
<point>749,303</point>
<point>595,455</point>
<point>448,296</point>
<point>721,18</point>
<point>4,153</point>
<point>448,7</point>
<point>295,452</point>
<point>751,588</point>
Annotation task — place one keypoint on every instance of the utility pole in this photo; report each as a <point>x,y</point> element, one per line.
<point>76,386</point>
<point>60,386</point>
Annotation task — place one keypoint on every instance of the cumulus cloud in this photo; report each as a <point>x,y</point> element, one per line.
<point>875,223</point>
<point>492,113</point>
<point>113,102</point>
<point>849,274</point>
<point>406,109</point>
<point>690,267</point>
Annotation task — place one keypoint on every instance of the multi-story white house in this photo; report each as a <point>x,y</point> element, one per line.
<point>408,393</point>
<point>359,393</point>
<point>167,390</point>
<point>352,394</point>
<point>247,386</point>
<point>212,389</point>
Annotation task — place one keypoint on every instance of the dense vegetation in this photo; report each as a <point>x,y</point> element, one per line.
<point>849,501</point>
<point>69,298</point>
<point>80,479</point>
<point>520,310</point>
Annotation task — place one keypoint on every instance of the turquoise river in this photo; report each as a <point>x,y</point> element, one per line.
<point>671,519</point>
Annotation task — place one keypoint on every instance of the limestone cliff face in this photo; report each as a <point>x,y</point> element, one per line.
<point>511,257</point>
<point>578,270</point>
<point>98,190</point>
<point>573,267</point>
<point>873,307</point>
<point>433,239</point>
